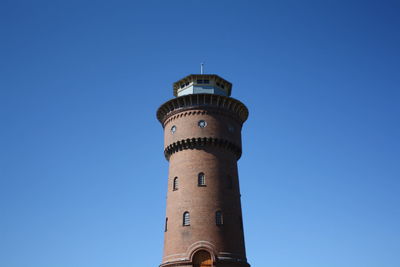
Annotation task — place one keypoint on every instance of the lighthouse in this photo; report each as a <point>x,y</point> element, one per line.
<point>202,142</point>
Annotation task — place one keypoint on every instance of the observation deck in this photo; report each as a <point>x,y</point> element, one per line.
<point>202,84</point>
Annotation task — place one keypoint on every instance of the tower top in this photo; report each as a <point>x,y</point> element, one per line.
<point>202,84</point>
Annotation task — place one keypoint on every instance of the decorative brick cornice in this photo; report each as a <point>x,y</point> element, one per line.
<point>211,102</point>
<point>201,142</point>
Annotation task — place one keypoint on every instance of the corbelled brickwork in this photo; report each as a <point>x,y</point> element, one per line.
<point>202,134</point>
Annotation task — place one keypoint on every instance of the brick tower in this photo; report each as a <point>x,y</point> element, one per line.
<point>202,137</point>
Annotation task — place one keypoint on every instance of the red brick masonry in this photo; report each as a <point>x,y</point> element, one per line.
<point>214,151</point>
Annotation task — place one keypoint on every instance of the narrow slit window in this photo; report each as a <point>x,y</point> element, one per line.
<point>175,184</point>
<point>229,182</point>
<point>201,179</point>
<point>166,224</point>
<point>218,218</point>
<point>186,218</point>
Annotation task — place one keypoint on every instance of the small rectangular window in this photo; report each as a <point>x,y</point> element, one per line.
<point>218,218</point>
<point>206,81</point>
<point>199,81</point>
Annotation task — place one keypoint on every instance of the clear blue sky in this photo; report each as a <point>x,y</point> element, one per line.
<point>82,172</point>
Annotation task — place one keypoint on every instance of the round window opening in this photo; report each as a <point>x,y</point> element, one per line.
<point>202,124</point>
<point>173,129</point>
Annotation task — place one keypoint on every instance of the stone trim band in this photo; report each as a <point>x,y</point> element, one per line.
<point>197,143</point>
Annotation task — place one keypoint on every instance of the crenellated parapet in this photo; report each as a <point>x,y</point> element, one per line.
<point>211,102</point>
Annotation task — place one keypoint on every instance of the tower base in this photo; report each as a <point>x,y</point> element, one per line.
<point>220,263</point>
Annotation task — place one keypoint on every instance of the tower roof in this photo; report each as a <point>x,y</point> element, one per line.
<point>202,84</point>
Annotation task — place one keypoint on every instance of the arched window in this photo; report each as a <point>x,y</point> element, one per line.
<point>166,224</point>
<point>186,218</point>
<point>201,179</point>
<point>202,258</point>
<point>175,184</point>
<point>218,218</point>
<point>229,182</point>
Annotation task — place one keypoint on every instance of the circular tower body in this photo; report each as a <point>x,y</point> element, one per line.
<point>202,134</point>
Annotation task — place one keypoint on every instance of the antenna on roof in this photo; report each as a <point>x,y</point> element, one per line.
<point>202,68</point>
